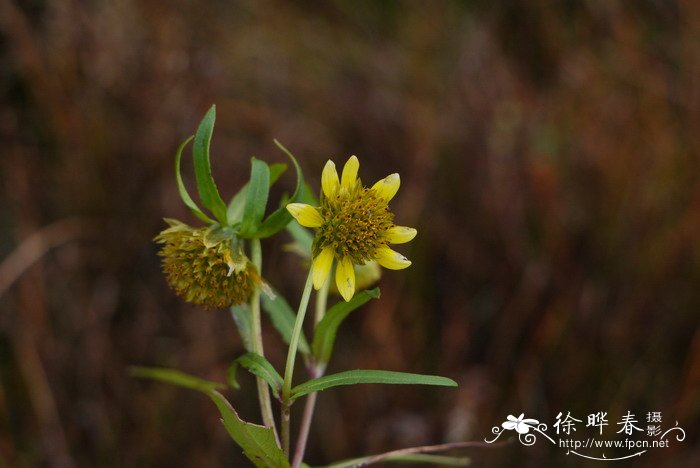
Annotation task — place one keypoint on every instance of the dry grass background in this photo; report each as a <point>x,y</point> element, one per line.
<point>549,158</point>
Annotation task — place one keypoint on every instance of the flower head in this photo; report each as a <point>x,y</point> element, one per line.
<point>354,225</point>
<point>206,266</point>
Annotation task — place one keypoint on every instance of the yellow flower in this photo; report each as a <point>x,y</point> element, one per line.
<point>206,266</point>
<point>353,226</point>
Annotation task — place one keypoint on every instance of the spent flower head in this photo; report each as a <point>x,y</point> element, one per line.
<point>206,266</point>
<point>354,225</point>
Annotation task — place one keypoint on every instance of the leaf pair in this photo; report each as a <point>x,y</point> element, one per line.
<point>208,193</point>
<point>258,442</point>
<point>261,367</point>
<point>247,209</point>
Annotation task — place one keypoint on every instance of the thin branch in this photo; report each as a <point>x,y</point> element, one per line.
<point>364,461</point>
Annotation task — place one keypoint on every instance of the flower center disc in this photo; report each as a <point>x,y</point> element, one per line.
<point>354,224</point>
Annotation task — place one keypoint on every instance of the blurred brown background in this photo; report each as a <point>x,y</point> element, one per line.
<point>549,157</point>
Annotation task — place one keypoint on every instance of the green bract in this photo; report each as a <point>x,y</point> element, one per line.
<point>245,213</point>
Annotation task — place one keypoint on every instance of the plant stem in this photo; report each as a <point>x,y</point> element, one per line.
<point>291,358</point>
<point>308,415</point>
<point>321,301</point>
<point>395,454</point>
<point>263,390</point>
<point>317,371</point>
<point>285,421</point>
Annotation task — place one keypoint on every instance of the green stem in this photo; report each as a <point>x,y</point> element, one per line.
<point>322,300</point>
<point>317,371</point>
<point>263,389</point>
<point>291,358</point>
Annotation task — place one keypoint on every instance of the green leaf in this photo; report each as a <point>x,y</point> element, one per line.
<point>208,193</point>
<point>369,376</point>
<point>237,204</point>
<point>324,337</point>
<point>183,190</point>
<point>283,318</point>
<point>241,317</point>
<point>257,365</point>
<point>281,217</point>
<point>256,197</point>
<point>276,170</point>
<point>175,377</point>
<point>258,442</point>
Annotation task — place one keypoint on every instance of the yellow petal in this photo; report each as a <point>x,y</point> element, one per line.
<point>322,267</point>
<point>350,173</point>
<point>391,259</point>
<point>306,215</point>
<point>388,186</point>
<point>400,234</point>
<point>345,278</point>
<point>329,179</point>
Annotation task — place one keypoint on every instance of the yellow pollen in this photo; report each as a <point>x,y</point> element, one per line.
<point>355,223</point>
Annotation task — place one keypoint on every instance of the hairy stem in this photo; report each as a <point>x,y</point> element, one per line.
<point>263,389</point>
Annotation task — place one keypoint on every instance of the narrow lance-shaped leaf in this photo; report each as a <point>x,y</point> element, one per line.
<point>327,328</point>
<point>281,217</point>
<point>259,366</point>
<point>241,317</point>
<point>175,377</point>
<point>237,204</point>
<point>208,193</point>
<point>258,442</point>
<point>366,377</point>
<point>283,318</point>
<point>183,190</point>
<point>256,197</point>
